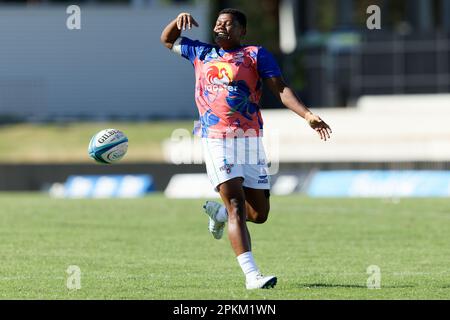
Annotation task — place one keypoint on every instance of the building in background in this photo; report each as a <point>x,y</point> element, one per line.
<point>114,67</point>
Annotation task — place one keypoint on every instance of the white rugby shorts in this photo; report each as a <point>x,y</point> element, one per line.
<point>244,157</point>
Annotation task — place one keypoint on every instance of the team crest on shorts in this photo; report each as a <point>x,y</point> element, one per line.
<point>226,167</point>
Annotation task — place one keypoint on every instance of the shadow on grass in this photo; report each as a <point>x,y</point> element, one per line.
<point>332,285</point>
<point>447,286</point>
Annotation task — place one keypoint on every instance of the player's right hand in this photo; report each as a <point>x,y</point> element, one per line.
<point>185,21</point>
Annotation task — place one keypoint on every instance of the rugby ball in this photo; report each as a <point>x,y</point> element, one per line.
<point>108,146</point>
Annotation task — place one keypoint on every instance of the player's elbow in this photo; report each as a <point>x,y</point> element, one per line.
<point>166,43</point>
<point>287,97</point>
<point>165,39</point>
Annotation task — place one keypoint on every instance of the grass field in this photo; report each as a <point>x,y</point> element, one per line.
<point>69,142</point>
<point>155,248</point>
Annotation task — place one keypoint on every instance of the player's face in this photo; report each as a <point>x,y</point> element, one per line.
<point>228,31</point>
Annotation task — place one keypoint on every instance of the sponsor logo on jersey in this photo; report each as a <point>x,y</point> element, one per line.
<point>219,76</point>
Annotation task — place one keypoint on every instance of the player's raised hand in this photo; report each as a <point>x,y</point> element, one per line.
<point>185,21</point>
<point>173,30</point>
<point>319,125</point>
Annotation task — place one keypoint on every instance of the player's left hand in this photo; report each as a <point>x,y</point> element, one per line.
<point>319,125</point>
<point>185,21</point>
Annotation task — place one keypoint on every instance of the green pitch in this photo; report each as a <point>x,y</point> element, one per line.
<point>154,248</point>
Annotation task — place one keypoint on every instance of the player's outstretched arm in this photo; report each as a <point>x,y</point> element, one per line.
<point>292,102</point>
<point>173,30</point>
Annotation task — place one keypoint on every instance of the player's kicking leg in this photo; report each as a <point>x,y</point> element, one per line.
<point>257,208</point>
<point>233,196</point>
<point>217,217</point>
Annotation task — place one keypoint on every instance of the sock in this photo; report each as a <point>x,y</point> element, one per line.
<point>248,264</point>
<point>222,215</point>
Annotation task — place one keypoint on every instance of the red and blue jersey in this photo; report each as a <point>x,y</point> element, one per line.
<point>228,86</point>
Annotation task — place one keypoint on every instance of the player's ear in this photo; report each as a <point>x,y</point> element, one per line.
<point>243,32</point>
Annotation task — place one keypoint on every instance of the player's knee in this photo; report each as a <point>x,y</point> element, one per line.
<point>261,217</point>
<point>262,213</point>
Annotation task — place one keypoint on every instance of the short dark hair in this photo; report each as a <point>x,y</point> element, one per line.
<point>238,15</point>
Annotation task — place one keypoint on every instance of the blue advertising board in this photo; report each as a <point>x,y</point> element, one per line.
<point>380,183</point>
<point>108,186</point>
